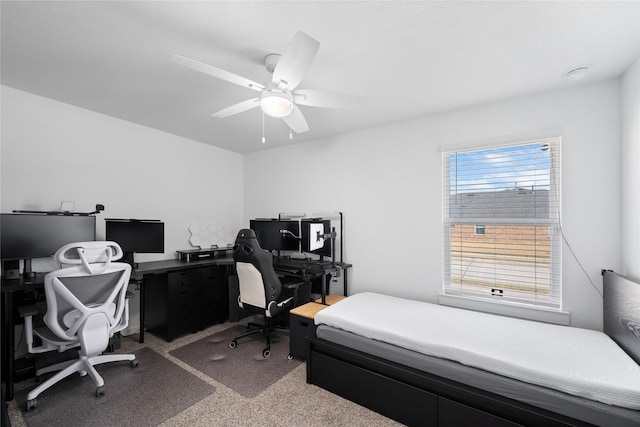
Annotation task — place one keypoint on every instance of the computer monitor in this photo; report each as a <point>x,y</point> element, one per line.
<point>279,235</point>
<point>29,236</point>
<point>136,236</point>
<point>313,240</point>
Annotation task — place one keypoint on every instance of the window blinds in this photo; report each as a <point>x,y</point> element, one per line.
<point>512,193</point>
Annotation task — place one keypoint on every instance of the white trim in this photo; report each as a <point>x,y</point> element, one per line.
<point>504,141</point>
<point>558,317</point>
<point>451,218</point>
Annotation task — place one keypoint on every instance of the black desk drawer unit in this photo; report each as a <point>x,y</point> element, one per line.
<point>185,301</point>
<point>301,326</point>
<point>215,295</point>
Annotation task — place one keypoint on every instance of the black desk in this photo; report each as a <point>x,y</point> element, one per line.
<point>14,290</point>
<point>145,272</point>
<point>309,269</point>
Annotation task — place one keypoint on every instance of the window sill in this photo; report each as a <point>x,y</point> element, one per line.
<point>557,317</point>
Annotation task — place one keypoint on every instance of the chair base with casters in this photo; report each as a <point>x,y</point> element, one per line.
<point>84,365</point>
<point>260,328</point>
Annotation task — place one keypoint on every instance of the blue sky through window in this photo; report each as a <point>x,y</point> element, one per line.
<point>498,169</point>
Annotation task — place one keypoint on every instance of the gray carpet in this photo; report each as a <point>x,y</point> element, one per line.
<point>243,368</point>
<point>149,394</point>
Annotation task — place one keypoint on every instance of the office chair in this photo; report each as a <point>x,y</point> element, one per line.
<point>86,306</point>
<point>261,290</point>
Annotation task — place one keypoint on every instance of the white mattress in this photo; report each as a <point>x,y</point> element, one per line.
<point>577,361</point>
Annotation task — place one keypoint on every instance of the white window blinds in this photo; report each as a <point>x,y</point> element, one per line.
<point>512,194</point>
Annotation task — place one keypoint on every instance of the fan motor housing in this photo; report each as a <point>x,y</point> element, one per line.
<point>270,61</point>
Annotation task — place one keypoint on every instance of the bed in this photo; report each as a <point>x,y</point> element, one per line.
<point>367,350</point>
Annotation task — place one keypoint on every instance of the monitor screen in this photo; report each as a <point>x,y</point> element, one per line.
<point>141,236</point>
<point>27,236</point>
<point>312,240</point>
<point>270,236</point>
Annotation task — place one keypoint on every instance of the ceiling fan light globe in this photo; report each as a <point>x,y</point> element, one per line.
<point>276,103</point>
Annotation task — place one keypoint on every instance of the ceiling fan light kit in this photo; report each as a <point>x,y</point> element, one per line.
<point>276,103</point>
<point>278,96</point>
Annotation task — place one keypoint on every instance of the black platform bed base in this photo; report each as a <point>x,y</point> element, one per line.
<point>413,397</point>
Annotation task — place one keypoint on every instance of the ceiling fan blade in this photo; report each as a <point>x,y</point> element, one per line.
<point>295,61</point>
<point>237,108</point>
<point>217,72</point>
<point>296,120</point>
<point>320,98</point>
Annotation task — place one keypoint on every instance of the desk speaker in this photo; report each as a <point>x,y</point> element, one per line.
<point>11,269</point>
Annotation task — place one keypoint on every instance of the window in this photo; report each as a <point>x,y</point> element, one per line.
<point>514,191</point>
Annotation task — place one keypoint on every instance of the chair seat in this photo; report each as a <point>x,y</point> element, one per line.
<point>47,335</point>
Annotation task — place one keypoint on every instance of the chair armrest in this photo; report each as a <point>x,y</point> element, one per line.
<point>28,310</point>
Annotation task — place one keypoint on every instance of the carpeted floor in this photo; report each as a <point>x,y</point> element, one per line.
<point>243,368</point>
<point>289,402</point>
<point>147,393</point>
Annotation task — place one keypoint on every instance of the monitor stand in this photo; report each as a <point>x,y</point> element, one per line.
<point>27,272</point>
<point>129,257</point>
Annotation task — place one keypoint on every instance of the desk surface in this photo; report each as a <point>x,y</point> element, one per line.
<point>308,310</point>
<point>151,267</point>
<point>310,264</point>
<point>23,284</point>
<point>156,267</point>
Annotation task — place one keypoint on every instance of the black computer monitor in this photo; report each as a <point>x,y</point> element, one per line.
<point>279,235</point>
<point>312,237</point>
<point>136,236</point>
<point>28,236</point>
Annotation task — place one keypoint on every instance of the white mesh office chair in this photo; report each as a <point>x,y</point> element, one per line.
<point>86,306</point>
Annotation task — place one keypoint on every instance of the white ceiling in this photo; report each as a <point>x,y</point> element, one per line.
<point>409,59</point>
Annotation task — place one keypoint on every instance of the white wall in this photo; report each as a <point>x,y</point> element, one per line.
<point>386,180</point>
<point>630,90</point>
<point>388,183</point>
<point>53,151</point>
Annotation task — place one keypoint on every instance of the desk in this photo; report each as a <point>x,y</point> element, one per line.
<point>311,269</point>
<point>168,291</point>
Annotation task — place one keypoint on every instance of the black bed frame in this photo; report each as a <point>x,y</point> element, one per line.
<point>415,397</point>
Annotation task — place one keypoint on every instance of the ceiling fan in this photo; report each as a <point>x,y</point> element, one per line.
<point>279,96</point>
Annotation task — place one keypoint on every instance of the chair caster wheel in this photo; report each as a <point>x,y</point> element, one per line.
<point>233,344</point>
<point>133,363</point>
<point>290,356</point>
<point>31,404</point>
<point>100,391</point>
<point>266,352</point>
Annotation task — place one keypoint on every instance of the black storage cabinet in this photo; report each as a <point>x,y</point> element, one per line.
<point>185,301</point>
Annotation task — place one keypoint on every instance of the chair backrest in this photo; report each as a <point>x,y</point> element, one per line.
<point>90,284</point>
<point>259,283</point>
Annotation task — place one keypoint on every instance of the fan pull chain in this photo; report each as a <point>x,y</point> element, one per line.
<point>263,138</point>
<point>290,134</point>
